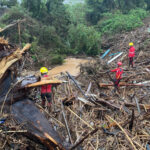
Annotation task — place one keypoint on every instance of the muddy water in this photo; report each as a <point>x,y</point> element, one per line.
<point>71,65</point>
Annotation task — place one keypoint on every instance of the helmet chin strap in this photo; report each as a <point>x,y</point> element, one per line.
<point>43,74</point>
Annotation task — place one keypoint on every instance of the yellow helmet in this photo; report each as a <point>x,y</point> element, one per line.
<point>44,70</point>
<point>131,44</point>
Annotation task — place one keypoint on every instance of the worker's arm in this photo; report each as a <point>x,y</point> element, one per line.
<point>114,70</point>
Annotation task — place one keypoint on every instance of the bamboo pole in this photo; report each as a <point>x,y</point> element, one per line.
<point>80,118</point>
<point>128,138</point>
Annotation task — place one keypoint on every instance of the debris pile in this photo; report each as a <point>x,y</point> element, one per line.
<point>20,119</point>
<point>85,111</point>
<point>121,119</point>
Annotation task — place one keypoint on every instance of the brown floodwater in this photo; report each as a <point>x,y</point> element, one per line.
<point>71,65</point>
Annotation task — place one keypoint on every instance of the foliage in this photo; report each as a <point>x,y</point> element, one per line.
<point>95,11</point>
<point>34,6</point>
<point>98,7</point>
<point>55,28</point>
<point>8,3</point>
<point>84,40</point>
<point>50,13</point>
<point>77,13</point>
<point>148,4</point>
<point>15,13</point>
<point>28,32</point>
<point>49,38</point>
<point>57,59</point>
<point>118,22</point>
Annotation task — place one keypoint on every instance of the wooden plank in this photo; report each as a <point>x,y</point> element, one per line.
<point>43,82</point>
<point>122,84</point>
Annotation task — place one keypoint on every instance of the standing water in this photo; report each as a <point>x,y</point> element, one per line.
<point>71,65</point>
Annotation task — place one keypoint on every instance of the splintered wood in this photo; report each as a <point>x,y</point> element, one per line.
<point>6,62</point>
<point>3,41</point>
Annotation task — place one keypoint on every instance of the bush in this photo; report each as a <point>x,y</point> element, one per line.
<point>57,59</point>
<point>118,22</point>
<point>13,14</point>
<point>49,38</point>
<point>28,32</point>
<point>84,40</point>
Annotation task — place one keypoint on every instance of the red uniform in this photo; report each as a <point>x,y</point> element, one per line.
<point>46,93</point>
<point>46,88</point>
<point>131,52</point>
<point>119,72</point>
<point>131,55</point>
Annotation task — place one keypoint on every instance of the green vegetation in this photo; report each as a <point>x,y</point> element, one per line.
<point>118,22</point>
<point>84,40</point>
<point>56,29</point>
<point>57,59</point>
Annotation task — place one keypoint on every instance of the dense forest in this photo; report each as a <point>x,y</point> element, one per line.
<point>57,29</point>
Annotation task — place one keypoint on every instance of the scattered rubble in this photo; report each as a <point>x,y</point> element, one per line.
<point>86,112</point>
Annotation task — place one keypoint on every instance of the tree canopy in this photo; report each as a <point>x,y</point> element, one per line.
<point>56,28</point>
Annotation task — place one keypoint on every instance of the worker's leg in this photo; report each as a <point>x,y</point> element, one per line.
<point>43,100</point>
<point>49,99</point>
<point>132,61</point>
<point>116,84</point>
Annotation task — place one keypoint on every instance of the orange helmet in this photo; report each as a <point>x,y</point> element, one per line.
<point>119,63</point>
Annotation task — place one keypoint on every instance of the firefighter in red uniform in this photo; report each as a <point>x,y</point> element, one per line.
<point>119,72</point>
<point>131,54</point>
<point>46,90</point>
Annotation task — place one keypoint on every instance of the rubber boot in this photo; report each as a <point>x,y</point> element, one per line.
<point>43,104</point>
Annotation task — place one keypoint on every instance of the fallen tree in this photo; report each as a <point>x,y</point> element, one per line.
<point>12,96</point>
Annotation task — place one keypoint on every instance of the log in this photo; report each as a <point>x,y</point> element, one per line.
<point>11,25</point>
<point>142,106</point>
<point>123,84</point>
<point>108,104</point>
<point>43,82</point>
<point>26,113</point>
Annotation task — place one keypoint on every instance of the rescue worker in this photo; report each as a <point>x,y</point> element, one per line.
<point>119,72</point>
<point>46,90</point>
<point>131,54</point>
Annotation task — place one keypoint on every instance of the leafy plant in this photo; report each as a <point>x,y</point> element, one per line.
<point>57,59</point>
<point>84,40</point>
<point>118,22</point>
